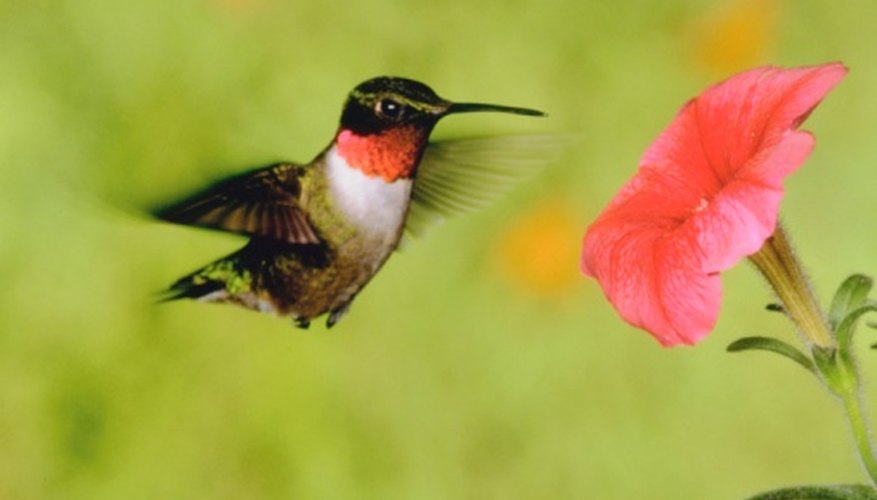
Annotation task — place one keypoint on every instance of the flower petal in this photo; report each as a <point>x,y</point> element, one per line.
<point>744,214</point>
<point>652,279</point>
<point>706,195</point>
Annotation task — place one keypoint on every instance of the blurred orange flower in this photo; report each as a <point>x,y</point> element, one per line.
<point>538,251</point>
<point>736,34</point>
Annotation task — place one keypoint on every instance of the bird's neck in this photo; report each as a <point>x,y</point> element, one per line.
<point>389,154</point>
<point>374,206</point>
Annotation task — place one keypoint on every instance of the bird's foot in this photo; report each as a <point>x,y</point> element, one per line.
<point>336,315</point>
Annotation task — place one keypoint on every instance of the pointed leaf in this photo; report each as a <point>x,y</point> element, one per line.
<point>773,345</point>
<point>852,293</point>
<point>834,492</point>
<point>773,307</point>
<point>827,361</point>
<point>847,326</point>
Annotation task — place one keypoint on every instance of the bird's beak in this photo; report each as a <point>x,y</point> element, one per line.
<point>472,107</point>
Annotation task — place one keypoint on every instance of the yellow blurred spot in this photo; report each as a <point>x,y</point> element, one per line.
<point>539,252</point>
<point>736,34</point>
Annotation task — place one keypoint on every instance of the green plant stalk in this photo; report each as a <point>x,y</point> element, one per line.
<point>778,264</point>
<point>859,426</point>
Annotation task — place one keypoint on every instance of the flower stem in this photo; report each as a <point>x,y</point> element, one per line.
<point>860,433</point>
<point>779,265</point>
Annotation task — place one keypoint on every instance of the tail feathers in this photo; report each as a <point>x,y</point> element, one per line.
<point>215,282</point>
<point>193,286</point>
<point>197,285</point>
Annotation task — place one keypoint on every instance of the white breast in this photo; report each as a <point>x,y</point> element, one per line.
<point>375,206</point>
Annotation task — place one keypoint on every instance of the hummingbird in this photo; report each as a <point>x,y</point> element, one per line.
<point>318,232</point>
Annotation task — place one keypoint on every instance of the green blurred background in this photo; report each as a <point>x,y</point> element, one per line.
<point>478,363</point>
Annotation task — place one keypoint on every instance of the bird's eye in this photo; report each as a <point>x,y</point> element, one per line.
<point>390,109</point>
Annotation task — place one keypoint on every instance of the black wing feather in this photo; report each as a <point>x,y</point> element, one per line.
<point>262,203</point>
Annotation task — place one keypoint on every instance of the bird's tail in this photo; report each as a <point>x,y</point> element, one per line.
<point>215,282</point>
<point>191,287</point>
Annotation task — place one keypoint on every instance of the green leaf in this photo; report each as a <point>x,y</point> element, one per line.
<point>847,326</point>
<point>851,295</point>
<point>826,359</point>
<point>835,369</point>
<point>774,307</point>
<point>773,345</point>
<point>836,492</point>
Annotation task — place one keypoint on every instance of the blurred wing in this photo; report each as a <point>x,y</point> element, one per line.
<point>462,176</point>
<point>261,203</point>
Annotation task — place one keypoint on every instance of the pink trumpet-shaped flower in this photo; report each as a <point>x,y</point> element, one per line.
<point>706,195</point>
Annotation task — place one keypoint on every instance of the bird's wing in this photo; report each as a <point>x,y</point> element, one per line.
<point>461,176</point>
<point>264,202</point>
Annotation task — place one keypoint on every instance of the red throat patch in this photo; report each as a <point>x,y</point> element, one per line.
<point>391,155</point>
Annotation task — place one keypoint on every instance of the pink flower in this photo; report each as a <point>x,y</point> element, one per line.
<point>706,195</point>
